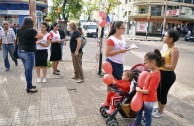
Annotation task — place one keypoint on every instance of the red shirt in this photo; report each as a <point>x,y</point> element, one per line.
<point>151,84</point>
<point>123,85</point>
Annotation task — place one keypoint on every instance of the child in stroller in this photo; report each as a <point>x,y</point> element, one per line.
<point>124,85</point>
<point>120,103</point>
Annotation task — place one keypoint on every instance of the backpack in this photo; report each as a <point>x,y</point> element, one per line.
<point>83,41</point>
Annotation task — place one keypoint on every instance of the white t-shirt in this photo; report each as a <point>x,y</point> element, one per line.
<point>43,41</point>
<point>118,44</point>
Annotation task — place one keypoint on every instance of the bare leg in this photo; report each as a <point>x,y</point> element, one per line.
<point>38,72</point>
<point>44,72</point>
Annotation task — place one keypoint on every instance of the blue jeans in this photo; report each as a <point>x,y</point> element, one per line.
<point>62,44</point>
<point>28,59</point>
<point>8,48</point>
<point>147,108</point>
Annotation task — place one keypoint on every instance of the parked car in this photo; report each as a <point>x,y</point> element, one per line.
<point>189,37</point>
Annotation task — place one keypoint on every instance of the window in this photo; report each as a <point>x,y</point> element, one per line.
<point>126,1</point>
<point>188,1</point>
<point>156,10</point>
<point>143,9</point>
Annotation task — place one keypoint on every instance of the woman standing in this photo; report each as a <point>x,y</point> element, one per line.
<point>76,52</point>
<point>41,54</point>
<point>26,48</point>
<point>171,54</point>
<point>115,48</point>
<point>55,48</point>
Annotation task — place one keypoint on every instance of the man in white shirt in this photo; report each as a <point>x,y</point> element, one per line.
<point>7,40</point>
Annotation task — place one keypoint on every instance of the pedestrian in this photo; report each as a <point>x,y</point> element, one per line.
<point>26,48</point>
<point>76,53</point>
<point>115,49</point>
<point>55,48</point>
<point>123,85</point>
<point>171,54</point>
<point>8,41</point>
<point>41,54</point>
<point>62,35</point>
<point>153,60</point>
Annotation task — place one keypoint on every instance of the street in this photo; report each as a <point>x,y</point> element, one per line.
<point>63,102</point>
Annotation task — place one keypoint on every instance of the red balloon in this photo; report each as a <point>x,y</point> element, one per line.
<point>108,78</point>
<point>102,14</point>
<point>107,67</point>
<point>142,77</point>
<point>103,23</point>
<point>137,102</point>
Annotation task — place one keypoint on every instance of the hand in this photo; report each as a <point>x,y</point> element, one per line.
<point>38,42</point>
<point>138,89</point>
<point>113,82</point>
<point>123,50</point>
<point>76,53</point>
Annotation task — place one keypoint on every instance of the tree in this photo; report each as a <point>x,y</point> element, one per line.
<point>70,9</point>
<point>109,5</point>
<point>90,8</point>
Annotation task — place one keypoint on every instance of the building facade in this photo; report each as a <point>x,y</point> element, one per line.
<point>148,16</point>
<point>14,11</point>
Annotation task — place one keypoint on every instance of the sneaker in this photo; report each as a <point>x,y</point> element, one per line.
<point>7,69</point>
<point>133,124</point>
<point>155,109</point>
<point>38,80</point>
<point>157,114</point>
<point>44,80</point>
<point>73,77</point>
<point>56,73</point>
<point>110,111</point>
<point>79,81</point>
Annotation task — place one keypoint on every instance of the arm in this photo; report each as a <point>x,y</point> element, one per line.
<point>109,49</point>
<point>39,35</point>
<point>141,90</point>
<point>174,59</point>
<point>78,45</point>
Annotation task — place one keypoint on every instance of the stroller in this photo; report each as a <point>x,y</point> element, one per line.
<point>122,102</point>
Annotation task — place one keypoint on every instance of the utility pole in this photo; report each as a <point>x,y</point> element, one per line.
<point>164,21</point>
<point>32,11</point>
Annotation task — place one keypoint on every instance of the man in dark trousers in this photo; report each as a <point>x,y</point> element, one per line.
<point>62,35</point>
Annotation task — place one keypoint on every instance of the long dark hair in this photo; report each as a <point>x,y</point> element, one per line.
<point>156,55</point>
<point>54,24</point>
<point>46,25</point>
<point>27,23</point>
<point>114,26</point>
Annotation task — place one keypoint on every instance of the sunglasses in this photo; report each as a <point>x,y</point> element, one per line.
<point>5,24</point>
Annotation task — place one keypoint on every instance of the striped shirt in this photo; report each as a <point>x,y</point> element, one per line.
<point>9,37</point>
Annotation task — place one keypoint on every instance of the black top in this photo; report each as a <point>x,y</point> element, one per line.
<point>62,33</point>
<point>73,41</point>
<point>27,41</point>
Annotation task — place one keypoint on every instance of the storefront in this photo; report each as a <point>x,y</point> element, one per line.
<point>14,11</point>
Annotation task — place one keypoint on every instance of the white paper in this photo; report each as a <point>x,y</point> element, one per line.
<point>132,46</point>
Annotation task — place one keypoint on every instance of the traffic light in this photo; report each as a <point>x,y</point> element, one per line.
<point>58,9</point>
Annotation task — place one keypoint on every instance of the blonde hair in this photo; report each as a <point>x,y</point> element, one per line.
<point>129,74</point>
<point>73,25</point>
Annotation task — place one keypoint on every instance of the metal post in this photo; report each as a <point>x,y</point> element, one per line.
<point>164,21</point>
<point>100,56</point>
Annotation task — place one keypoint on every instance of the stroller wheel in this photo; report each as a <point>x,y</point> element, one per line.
<point>103,112</point>
<point>112,123</point>
<point>103,107</point>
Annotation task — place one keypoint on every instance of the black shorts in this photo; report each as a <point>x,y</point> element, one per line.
<point>41,57</point>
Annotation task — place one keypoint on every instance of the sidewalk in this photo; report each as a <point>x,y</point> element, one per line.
<point>61,101</point>
<point>143,38</point>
